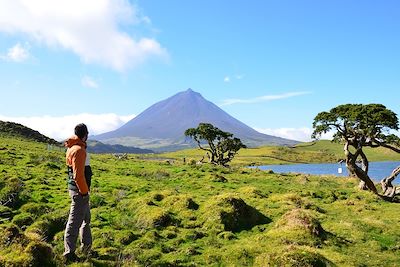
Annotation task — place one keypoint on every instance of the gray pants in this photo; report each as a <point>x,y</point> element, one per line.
<point>78,223</point>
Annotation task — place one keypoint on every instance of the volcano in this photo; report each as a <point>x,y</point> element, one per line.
<point>161,127</point>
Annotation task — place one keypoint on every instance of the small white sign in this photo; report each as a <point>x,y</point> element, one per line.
<point>340,170</point>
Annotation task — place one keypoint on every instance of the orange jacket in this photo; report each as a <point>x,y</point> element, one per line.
<point>75,158</point>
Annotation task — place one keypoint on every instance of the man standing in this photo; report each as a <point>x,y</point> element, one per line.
<point>78,187</point>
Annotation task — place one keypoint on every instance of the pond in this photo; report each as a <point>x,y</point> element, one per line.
<point>377,170</point>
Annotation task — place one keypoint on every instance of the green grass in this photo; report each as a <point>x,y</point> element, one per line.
<point>158,213</point>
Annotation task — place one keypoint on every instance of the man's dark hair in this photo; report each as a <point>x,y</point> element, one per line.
<point>81,130</point>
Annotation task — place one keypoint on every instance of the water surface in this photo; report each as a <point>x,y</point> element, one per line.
<point>377,170</point>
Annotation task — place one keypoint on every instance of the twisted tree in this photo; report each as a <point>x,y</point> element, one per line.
<point>359,126</point>
<point>222,146</point>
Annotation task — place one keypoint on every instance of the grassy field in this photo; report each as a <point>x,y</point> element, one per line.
<point>322,151</point>
<point>166,213</point>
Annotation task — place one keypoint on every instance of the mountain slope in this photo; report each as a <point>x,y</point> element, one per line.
<point>19,130</point>
<point>162,125</point>
<point>98,147</point>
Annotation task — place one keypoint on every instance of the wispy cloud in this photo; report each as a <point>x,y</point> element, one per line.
<point>17,53</point>
<point>89,82</point>
<point>62,127</point>
<point>259,99</point>
<point>228,79</point>
<point>91,29</point>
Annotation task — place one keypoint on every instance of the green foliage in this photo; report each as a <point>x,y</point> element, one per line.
<point>369,123</point>
<point>221,145</point>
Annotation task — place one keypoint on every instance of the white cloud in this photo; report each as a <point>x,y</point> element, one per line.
<point>259,99</point>
<point>17,53</point>
<point>89,82</point>
<point>228,79</point>
<point>61,128</point>
<point>300,134</point>
<point>91,29</point>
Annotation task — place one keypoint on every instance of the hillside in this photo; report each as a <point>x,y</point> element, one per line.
<point>322,151</point>
<point>99,147</point>
<point>13,129</point>
<point>161,127</point>
<point>159,213</point>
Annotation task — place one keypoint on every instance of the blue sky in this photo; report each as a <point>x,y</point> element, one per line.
<point>271,64</point>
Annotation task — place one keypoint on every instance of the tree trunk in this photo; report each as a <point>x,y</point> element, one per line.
<point>365,165</point>
<point>355,170</point>
<point>388,189</point>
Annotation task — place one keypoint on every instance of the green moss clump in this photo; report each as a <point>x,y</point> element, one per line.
<point>292,257</point>
<point>36,209</point>
<point>125,237</point>
<point>217,178</point>
<point>48,226</point>
<point>298,226</point>
<point>252,191</point>
<point>181,202</point>
<point>153,217</point>
<point>40,254</point>
<point>5,212</point>
<point>228,212</point>
<point>10,192</point>
<point>23,219</point>
<point>9,234</point>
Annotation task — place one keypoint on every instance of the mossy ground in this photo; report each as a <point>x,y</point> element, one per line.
<point>159,213</point>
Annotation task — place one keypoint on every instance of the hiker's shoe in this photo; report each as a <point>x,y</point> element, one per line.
<point>70,258</point>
